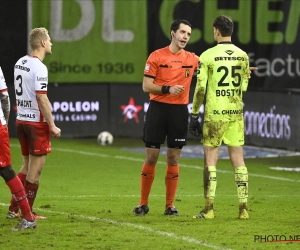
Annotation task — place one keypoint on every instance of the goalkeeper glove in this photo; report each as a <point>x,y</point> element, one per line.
<point>194,126</point>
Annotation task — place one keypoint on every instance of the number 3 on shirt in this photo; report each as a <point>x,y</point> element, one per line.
<point>18,93</point>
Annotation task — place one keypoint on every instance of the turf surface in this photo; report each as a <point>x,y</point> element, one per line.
<point>87,192</point>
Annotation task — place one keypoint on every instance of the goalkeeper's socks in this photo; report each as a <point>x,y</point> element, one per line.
<point>209,205</point>
<point>31,191</point>
<point>147,177</point>
<point>171,181</point>
<point>210,182</point>
<point>241,180</point>
<point>13,204</point>
<point>19,195</point>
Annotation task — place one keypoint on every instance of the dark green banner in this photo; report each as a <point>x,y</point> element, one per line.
<point>94,40</point>
<point>110,40</point>
<point>268,30</point>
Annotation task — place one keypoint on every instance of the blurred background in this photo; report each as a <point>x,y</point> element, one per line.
<point>100,48</point>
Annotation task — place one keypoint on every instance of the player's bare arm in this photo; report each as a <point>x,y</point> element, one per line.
<point>4,98</point>
<point>150,87</point>
<point>45,107</point>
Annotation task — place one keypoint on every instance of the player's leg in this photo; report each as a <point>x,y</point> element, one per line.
<point>171,179</point>
<point>39,146</point>
<point>36,164</point>
<point>213,132</point>
<point>10,178</point>
<point>18,192</point>
<point>147,178</point>
<point>13,211</point>
<point>241,179</point>
<point>176,136</point>
<point>154,136</point>
<point>235,139</point>
<point>209,181</point>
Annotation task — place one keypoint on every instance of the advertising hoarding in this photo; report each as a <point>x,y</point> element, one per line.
<point>272,119</point>
<point>93,41</point>
<point>267,30</point>
<point>109,41</point>
<point>84,110</point>
<point>80,110</point>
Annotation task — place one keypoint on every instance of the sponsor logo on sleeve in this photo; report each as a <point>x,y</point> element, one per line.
<point>147,67</point>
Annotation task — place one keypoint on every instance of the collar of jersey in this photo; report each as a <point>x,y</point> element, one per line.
<point>225,43</point>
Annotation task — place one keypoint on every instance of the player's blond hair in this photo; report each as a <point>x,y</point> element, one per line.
<point>36,36</point>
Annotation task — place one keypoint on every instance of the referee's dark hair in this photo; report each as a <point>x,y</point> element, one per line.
<point>176,23</point>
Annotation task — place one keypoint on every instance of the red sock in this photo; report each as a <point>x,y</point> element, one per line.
<point>171,182</point>
<point>147,177</point>
<point>31,191</point>
<point>18,193</point>
<point>13,204</point>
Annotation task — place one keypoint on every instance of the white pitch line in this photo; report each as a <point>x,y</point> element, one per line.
<point>127,224</point>
<point>160,162</point>
<point>156,195</point>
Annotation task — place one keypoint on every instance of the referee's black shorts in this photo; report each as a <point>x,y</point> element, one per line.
<point>163,119</point>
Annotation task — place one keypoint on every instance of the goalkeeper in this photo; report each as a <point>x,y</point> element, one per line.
<point>223,76</point>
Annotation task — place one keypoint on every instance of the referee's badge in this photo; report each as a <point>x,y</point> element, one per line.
<point>187,73</point>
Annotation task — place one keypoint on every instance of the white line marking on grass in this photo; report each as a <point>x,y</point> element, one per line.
<point>255,175</point>
<point>163,163</point>
<point>286,169</point>
<point>160,162</point>
<point>158,195</point>
<point>127,224</point>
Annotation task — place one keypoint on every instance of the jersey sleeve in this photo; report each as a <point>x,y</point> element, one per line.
<point>245,74</point>
<point>200,89</point>
<point>151,66</point>
<point>197,59</point>
<point>41,80</point>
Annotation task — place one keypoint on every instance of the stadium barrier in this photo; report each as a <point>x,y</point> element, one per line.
<point>84,110</point>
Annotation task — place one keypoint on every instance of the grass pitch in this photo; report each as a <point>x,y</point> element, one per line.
<point>87,192</point>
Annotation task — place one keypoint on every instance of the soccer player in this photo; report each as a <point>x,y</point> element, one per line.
<point>6,170</point>
<point>34,118</point>
<point>167,78</point>
<point>223,76</point>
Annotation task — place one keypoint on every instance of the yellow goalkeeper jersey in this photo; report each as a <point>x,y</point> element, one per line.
<point>221,79</point>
